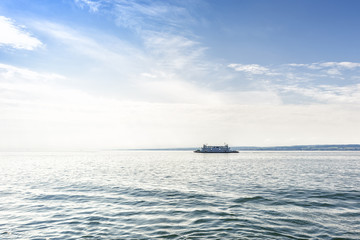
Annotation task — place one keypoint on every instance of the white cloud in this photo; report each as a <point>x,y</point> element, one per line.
<point>12,73</point>
<point>148,75</point>
<point>333,71</point>
<point>298,65</point>
<point>345,65</point>
<point>250,68</point>
<point>16,36</point>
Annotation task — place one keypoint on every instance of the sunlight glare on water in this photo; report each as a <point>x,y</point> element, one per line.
<point>179,195</point>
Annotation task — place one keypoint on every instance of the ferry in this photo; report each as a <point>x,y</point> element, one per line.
<point>215,149</point>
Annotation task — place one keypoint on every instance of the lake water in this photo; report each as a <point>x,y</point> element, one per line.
<point>180,195</point>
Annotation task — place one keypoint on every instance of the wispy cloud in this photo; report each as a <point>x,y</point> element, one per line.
<point>167,69</point>
<point>328,94</point>
<point>250,68</point>
<point>162,26</point>
<point>87,44</point>
<point>152,15</point>
<point>169,53</point>
<point>174,52</point>
<point>320,65</point>
<point>331,68</point>
<point>295,70</point>
<point>344,65</point>
<point>12,73</point>
<point>326,83</point>
<point>16,36</point>
<point>144,15</point>
<point>92,5</point>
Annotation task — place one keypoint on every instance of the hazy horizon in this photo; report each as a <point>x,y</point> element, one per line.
<point>111,74</point>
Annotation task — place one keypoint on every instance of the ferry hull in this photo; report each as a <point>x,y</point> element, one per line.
<point>198,151</point>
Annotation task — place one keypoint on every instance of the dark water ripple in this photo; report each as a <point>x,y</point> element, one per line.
<point>180,195</point>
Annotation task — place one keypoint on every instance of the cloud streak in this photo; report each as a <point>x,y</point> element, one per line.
<point>92,5</point>
<point>328,94</point>
<point>343,65</point>
<point>152,15</point>
<point>250,68</point>
<point>16,36</point>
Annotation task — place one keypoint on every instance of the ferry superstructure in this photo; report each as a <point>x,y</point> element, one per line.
<point>215,149</point>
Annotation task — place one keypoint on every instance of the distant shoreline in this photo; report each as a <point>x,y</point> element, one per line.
<point>333,147</point>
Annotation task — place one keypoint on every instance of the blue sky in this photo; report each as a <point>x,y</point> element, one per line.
<point>100,74</point>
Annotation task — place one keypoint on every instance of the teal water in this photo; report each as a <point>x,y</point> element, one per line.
<point>180,195</point>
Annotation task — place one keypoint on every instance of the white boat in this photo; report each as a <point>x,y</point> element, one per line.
<point>215,149</point>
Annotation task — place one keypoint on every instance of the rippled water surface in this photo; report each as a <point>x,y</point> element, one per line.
<point>180,195</point>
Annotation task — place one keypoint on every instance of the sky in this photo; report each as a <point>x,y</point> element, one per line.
<point>116,74</point>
